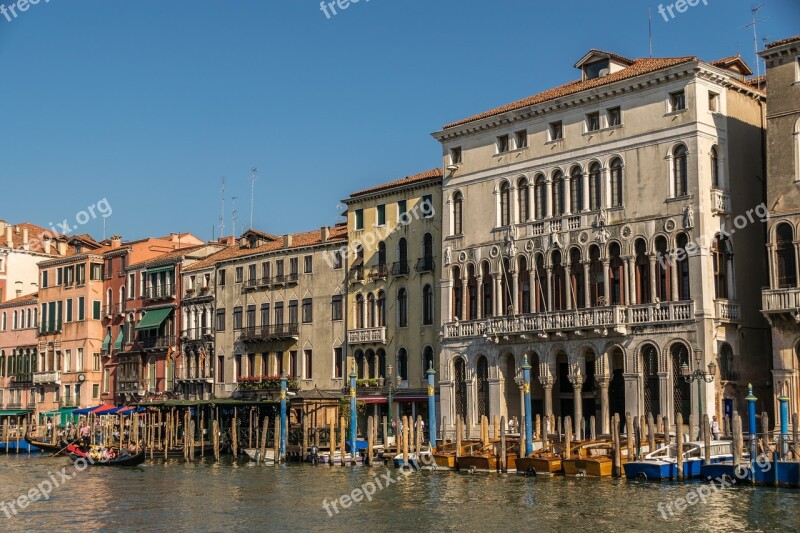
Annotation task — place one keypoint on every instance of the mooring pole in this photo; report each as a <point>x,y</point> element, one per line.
<point>284,421</point>
<point>353,414</point>
<point>751,424</point>
<point>431,409</point>
<point>784,447</point>
<point>526,388</point>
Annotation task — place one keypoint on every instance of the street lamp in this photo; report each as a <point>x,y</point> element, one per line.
<point>699,376</point>
<point>389,373</point>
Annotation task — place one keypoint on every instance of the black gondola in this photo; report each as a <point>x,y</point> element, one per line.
<point>124,460</point>
<point>46,446</point>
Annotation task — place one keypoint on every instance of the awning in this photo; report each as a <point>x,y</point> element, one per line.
<point>118,342</point>
<point>12,412</point>
<point>160,269</point>
<point>373,399</point>
<point>154,318</point>
<point>106,342</point>
<point>410,399</point>
<point>85,410</point>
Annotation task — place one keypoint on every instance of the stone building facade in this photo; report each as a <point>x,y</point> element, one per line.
<point>585,227</point>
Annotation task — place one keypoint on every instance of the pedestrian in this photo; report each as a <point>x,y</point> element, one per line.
<point>715,428</point>
<point>49,428</point>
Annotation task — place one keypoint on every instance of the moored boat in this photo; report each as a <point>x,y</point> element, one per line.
<point>119,460</point>
<point>255,455</point>
<point>662,464</point>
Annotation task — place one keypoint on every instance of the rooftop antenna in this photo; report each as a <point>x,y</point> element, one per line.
<point>234,216</point>
<point>222,212</point>
<point>753,24</point>
<point>252,192</point>
<point>650,29</point>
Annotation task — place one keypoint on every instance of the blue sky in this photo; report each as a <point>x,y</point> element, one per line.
<point>148,104</point>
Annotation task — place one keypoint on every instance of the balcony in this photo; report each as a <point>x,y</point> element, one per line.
<point>22,378</point>
<point>425,264</point>
<point>610,320</point>
<point>400,268</point>
<point>157,343</point>
<point>274,332</point>
<point>367,336</point>
<point>378,272</point>
<point>720,202</point>
<point>48,329</point>
<point>110,311</point>
<point>286,279</point>
<point>728,311</point>
<point>357,274</point>
<point>781,301</point>
<point>161,292</point>
<point>196,334</point>
<point>46,378</point>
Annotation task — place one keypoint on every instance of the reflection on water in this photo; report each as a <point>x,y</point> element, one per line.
<point>173,496</point>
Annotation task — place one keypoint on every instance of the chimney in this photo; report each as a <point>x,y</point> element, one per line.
<point>3,225</point>
<point>10,236</point>
<point>325,231</point>
<point>46,244</point>
<point>62,248</point>
<point>25,237</point>
<point>287,241</point>
<point>116,242</point>
<point>174,237</point>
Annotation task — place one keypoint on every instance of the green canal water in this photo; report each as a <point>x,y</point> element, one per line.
<point>173,496</point>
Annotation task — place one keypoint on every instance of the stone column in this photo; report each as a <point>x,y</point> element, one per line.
<point>447,300</point>
<point>587,286</point>
<point>498,295</point>
<point>577,383</point>
<point>606,194</point>
<point>515,291</point>
<point>603,383</point>
<point>653,272</point>
<point>772,267</point>
<point>586,191</point>
<point>568,287</point>
<point>549,288</point>
<point>673,271</point>
<point>606,284</point>
<point>796,263</point>
<point>628,295</point>
<point>480,296</point>
<point>549,195</point>
<point>547,385</point>
<point>567,196</point>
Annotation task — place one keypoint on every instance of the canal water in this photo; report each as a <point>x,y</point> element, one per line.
<point>173,496</point>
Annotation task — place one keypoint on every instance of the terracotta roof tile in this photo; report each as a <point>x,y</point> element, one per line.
<point>27,298</point>
<point>174,254</point>
<point>430,175</point>
<point>637,68</point>
<point>34,233</point>
<point>782,42</point>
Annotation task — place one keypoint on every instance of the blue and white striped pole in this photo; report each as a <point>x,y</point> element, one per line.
<point>431,407</point>
<point>284,421</point>
<point>751,420</point>
<point>784,448</point>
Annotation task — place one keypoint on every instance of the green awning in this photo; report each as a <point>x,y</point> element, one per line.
<point>161,269</point>
<point>106,342</point>
<point>154,318</point>
<point>12,412</point>
<point>118,342</point>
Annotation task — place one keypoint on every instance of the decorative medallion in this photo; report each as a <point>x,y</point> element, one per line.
<point>494,251</point>
<point>669,225</point>
<point>626,232</point>
<point>583,238</point>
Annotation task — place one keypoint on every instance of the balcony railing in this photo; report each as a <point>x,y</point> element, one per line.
<point>22,378</point>
<point>159,292</point>
<point>720,202</point>
<point>196,334</point>
<point>367,336</point>
<point>357,274</point>
<point>269,333</point>
<point>425,264</point>
<point>114,310</point>
<point>611,319</point>
<point>46,329</point>
<point>378,272</point>
<point>728,311</point>
<point>43,378</point>
<point>400,268</point>
<point>157,343</point>
<point>780,300</point>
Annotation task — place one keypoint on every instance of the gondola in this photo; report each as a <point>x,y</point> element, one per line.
<point>45,446</point>
<point>125,460</point>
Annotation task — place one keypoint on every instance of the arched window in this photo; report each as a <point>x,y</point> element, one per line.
<point>482,375</point>
<point>458,209</point>
<point>360,360</point>
<point>382,254</point>
<point>652,403</point>
<point>576,279</point>
<point>4,323</point>
<point>524,283</point>
<point>505,204</point>
<point>714,167</point>
<point>540,194</point>
<point>14,321</point>
<point>558,194</point>
<point>559,296</point>
<point>726,371</point>
<point>460,378</point>
<point>402,254</point>
<point>371,310</point>
<point>381,304</point>
<point>472,294</point>
<point>427,248</point>
<point>2,363</point>
<point>540,283</point>
<point>663,270</point>
<point>680,387</point>
<point>576,190</point>
<point>643,295</point>
<point>595,186</point>
<point>402,308</point>
<point>680,170</point>
<point>427,305</point>
<point>720,255</point>
<point>522,200</point>
<point>457,294</point>
<point>109,301</point>
<point>682,264</point>
<point>615,277</point>
<point>402,364</point>
<point>488,293</point>
<point>616,182</point>
<point>784,249</point>
<point>360,322</point>
<point>427,360</point>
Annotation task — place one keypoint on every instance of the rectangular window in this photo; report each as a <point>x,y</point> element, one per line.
<point>293,266</point>
<point>336,307</point>
<point>713,102</point>
<point>614,116</point>
<point>95,391</point>
<point>556,131</point>
<point>337,259</point>
<point>677,101</point>
<point>131,285</point>
<point>251,272</point>
<point>237,317</point>
<point>251,316</point>
<point>292,311</point>
<point>265,314</point>
<point>521,139</point>
<point>592,121</point>
<point>308,264</point>
<point>456,156</point>
<point>338,363</point>
<point>359,219</point>
<point>221,278</point>
<point>401,208</point>
<point>67,360</point>
<point>44,279</point>
<point>59,276</point>
<point>307,311</point>
<point>95,309</point>
<point>69,276</point>
<point>220,319</point>
<point>239,274</point>
<point>381,214</point>
<point>221,369</point>
<point>427,206</point>
<point>265,270</point>
<point>96,363</point>
<point>81,308</point>
<point>307,364</point>
<point>279,268</point>
<point>278,313</point>
<point>79,360</point>
<point>96,272</point>
<point>69,310</point>
<point>80,275</point>
<point>502,144</point>
<point>106,379</point>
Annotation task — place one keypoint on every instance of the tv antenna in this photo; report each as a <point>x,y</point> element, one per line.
<point>234,216</point>
<point>222,212</point>
<point>753,24</point>
<point>252,192</point>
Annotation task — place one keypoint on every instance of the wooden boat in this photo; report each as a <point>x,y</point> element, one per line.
<point>120,460</point>
<point>593,459</point>
<point>45,446</point>
<point>325,458</point>
<point>487,459</point>
<point>177,451</point>
<point>662,463</point>
<point>255,455</point>
<point>545,461</point>
<point>421,460</point>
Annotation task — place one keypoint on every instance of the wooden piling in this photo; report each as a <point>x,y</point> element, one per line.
<point>617,467</point>
<point>737,443</point>
<point>411,434</point>
<point>192,428</point>
<point>679,438</point>
<point>637,439</point>
<point>332,441</point>
<point>235,433</point>
<point>558,428</point>
<point>370,442</point>
<point>385,433</point>
<point>629,434</point>
<point>592,427</point>
<point>765,433</point>
<point>250,429</point>
<point>405,440</point>
<point>304,447</point>
<point>419,435</point>
<point>342,439</point>
<point>186,423</point>
<point>495,428</point>
<point>651,434</point>
<point>537,426</point>
<point>459,433</point>
<point>264,439</point>
<point>795,432</point>
<point>277,441</point>
<point>567,437</point>
<point>503,466</point>
<point>706,433</point>
<point>216,440</point>
<point>693,426</point>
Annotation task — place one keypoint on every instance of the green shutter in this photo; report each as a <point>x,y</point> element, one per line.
<point>69,310</point>
<point>118,342</point>
<point>81,308</point>
<point>106,342</point>
<point>96,310</point>
<point>60,317</point>
<point>51,316</point>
